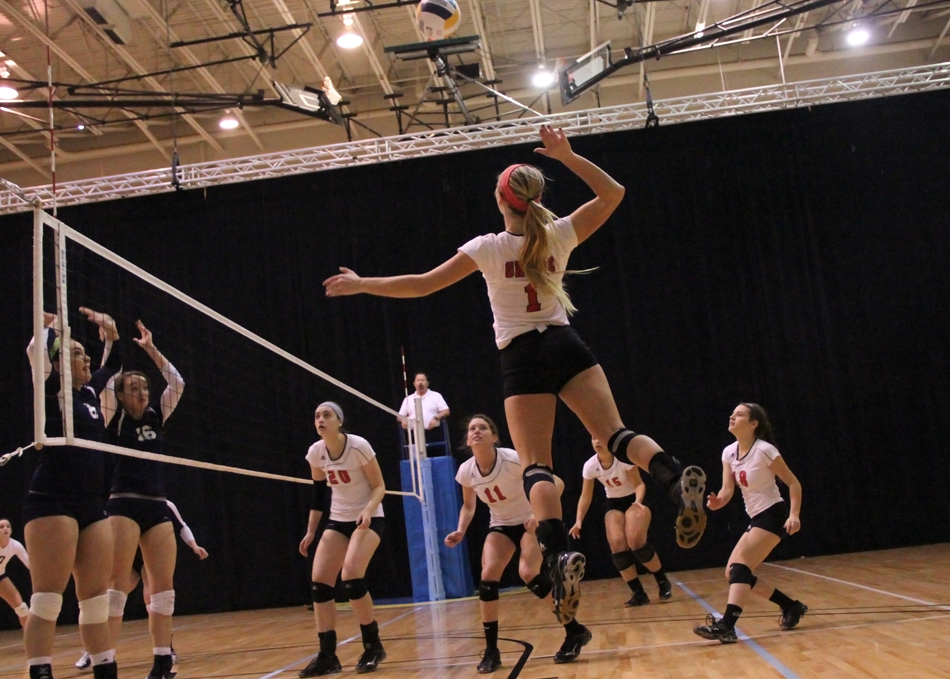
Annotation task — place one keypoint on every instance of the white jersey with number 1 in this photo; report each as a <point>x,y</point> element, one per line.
<point>350,489</point>
<point>502,489</point>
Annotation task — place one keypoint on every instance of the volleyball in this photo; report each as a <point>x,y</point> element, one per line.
<point>438,19</point>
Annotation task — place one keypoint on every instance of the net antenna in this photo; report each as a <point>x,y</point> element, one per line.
<point>67,241</point>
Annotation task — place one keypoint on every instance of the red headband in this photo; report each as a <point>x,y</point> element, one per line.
<point>507,193</point>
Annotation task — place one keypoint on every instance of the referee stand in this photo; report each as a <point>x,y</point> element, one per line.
<point>443,573</point>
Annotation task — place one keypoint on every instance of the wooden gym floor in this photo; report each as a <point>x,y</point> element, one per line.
<point>874,614</point>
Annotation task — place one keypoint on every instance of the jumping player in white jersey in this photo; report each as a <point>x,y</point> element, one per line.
<point>627,521</point>
<point>347,465</point>
<point>493,475</point>
<point>753,462</point>
<point>542,357</point>
<point>10,548</point>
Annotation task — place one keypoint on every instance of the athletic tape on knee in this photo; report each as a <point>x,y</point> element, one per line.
<point>740,574</point>
<point>355,588</point>
<point>623,560</point>
<point>46,605</point>
<point>488,590</point>
<point>645,554</point>
<point>617,445</point>
<point>22,610</point>
<point>163,603</point>
<point>94,610</point>
<point>540,586</point>
<point>536,473</point>
<point>117,601</point>
<point>321,592</point>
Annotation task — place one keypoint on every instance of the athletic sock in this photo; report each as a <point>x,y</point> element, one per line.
<point>327,642</point>
<point>665,470</point>
<point>731,616</point>
<point>370,633</point>
<point>781,599</point>
<point>573,627</point>
<point>491,634</point>
<point>660,577</point>
<point>635,585</point>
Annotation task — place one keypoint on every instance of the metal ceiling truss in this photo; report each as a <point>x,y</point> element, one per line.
<point>373,151</point>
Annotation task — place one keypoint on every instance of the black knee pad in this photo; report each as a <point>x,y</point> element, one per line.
<point>488,590</point>
<point>617,445</point>
<point>355,589</point>
<point>666,470</point>
<point>540,586</point>
<point>623,560</point>
<point>740,574</point>
<point>536,473</point>
<point>645,554</point>
<point>321,593</point>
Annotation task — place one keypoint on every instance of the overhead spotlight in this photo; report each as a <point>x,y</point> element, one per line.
<point>700,26</point>
<point>542,78</point>
<point>228,122</point>
<point>349,39</point>
<point>7,93</point>
<point>858,35</point>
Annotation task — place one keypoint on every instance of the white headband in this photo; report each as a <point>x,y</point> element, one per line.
<point>334,407</point>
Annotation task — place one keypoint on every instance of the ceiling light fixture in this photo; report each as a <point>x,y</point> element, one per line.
<point>228,122</point>
<point>349,39</point>
<point>858,35</point>
<point>7,93</point>
<point>542,78</point>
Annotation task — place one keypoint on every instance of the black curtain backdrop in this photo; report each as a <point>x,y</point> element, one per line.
<point>797,259</point>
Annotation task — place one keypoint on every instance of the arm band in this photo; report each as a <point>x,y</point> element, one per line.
<point>319,497</point>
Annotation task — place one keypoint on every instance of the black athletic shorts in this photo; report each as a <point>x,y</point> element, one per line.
<point>2,576</point>
<point>543,362</point>
<point>146,513</point>
<point>621,504</point>
<point>86,509</point>
<point>377,525</point>
<point>513,533</point>
<point>771,519</point>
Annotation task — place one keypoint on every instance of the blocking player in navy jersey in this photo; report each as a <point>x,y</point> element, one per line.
<point>66,526</point>
<point>10,548</point>
<point>627,521</point>
<point>139,572</point>
<point>346,465</point>
<point>753,462</point>
<point>493,475</point>
<point>542,356</point>
<point>137,504</point>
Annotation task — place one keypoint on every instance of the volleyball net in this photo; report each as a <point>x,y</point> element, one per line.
<point>245,404</point>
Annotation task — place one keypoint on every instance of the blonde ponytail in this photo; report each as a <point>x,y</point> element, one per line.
<point>521,186</point>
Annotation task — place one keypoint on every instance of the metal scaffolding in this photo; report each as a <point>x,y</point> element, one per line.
<point>402,147</point>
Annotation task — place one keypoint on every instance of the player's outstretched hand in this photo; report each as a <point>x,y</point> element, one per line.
<point>556,144</point>
<point>104,321</point>
<point>713,502</point>
<point>344,283</point>
<point>453,538</point>
<point>146,339</point>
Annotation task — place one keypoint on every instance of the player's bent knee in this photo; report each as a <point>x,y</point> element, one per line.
<point>645,554</point>
<point>94,610</point>
<point>535,474</point>
<point>117,599</point>
<point>355,588</point>
<point>740,574</point>
<point>321,592</point>
<point>46,605</point>
<point>163,603</point>
<point>623,560</point>
<point>488,590</point>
